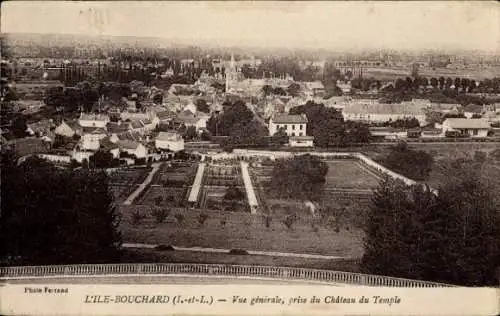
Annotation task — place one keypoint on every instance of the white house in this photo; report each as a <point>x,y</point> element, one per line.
<point>64,130</point>
<point>292,125</point>
<point>91,140</point>
<point>93,120</point>
<point>133,148</point>
<point>469,127</point>
<point>171,141</point>
<point>81,155</point>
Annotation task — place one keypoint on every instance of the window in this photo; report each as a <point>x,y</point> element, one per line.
<point>301,126</point>
<point>293,134</point>
<point>475,132</point>
<point>300,134</point>
<point>293,127</point>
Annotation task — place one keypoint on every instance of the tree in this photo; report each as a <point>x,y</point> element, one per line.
<point>19,127</point>
<point>190,133</point>
<point>301,177</point>
<point>325,124</point>
<point>158,98</point>
<point>72,220</point>
<point>441,82</point>
<point>267,90</point>
<point>280,137</point>
<point>103,159</point>
<point>160,214</point>
<point>451,237</point>
<point>234,194</point>
<point>411,163</point>
<point>293,89</point>
<point>434,82</point>
<point>202,106</point>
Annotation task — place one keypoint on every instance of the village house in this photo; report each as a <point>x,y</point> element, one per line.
<point>42,128</point>
<point>466,127</point>
<point>133,148</point>
<point>91,138</point>
<point>371,111</point>
<point>93,120</point>
<point>198,120</point>
<point>66,130</point>
<point>315,88</point>
<point>473,110</point>
<point>169,141</point>
<point>292,125</point>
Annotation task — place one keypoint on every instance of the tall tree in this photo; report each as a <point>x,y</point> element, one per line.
<point>72,220</point>
<point>451,237</point>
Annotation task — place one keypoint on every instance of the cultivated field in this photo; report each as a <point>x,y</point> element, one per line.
<point>231,230</point>
<point>170,185</point>
<point>123,182</point>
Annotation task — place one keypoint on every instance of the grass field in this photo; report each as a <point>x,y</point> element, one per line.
<point>350,174</point>
<point>242,230</point>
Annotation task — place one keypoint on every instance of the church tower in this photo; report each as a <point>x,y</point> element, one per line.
<point>231,74</point>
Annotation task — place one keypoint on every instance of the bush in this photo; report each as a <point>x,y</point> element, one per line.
<point>267,221</point>
<point>165,248</point>
<point>223,222</point>
<point>238,252</point>
<point>179,218</point>
<point>202,218</point>
<point>158,200</point>
<point>137,217</point>
<point>289,221</point>
<point>160,214</point>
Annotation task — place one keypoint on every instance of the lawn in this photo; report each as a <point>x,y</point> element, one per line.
<point>243,230</point>
<point>350,174</point>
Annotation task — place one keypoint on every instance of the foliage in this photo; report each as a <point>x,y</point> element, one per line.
<point>137,217</point>
<point>190,133</point>
<point>158,200</point>
<point>233,193</point>
<point>202,218</point>
<point>202,106</point>
<point>452,237</point>
<point>103,159</point>
<point>158,98</point>
<point>328,127</point>
<point>160,214</point>
<point>411,163</point>
<point>289,221</point>
<point>179,218</point>
<point>72,220</point>
<point>301,177</point>
<point>19,127</point>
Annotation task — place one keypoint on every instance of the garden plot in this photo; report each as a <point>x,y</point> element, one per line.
<point>218,180</point>
<point>123,182</point>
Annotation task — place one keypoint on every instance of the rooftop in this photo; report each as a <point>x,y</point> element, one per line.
<point>467,123</point>
<point>168,136</point>
<point>290,119</point>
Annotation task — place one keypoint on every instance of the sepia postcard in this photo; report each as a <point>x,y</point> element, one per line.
<point>250,158</point>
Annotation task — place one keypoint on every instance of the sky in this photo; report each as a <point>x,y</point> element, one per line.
<point>289,24</point>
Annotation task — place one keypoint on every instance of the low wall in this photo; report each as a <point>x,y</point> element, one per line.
<point>212,269</point>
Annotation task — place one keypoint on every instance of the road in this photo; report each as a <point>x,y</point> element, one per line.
<point>250,252</point>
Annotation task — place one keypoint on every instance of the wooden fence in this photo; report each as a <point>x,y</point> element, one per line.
<point>277,273</point>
